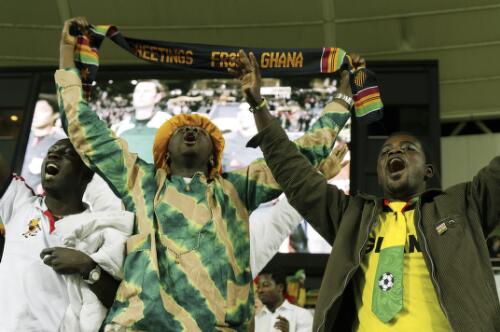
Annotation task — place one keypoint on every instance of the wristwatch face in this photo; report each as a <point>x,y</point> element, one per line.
<point>94,275</point>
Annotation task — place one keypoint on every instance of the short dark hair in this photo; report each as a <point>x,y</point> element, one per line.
<point>276,271</point>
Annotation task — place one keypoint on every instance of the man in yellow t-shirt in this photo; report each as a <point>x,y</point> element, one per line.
<point>426,267</point>
<point>418,262</point>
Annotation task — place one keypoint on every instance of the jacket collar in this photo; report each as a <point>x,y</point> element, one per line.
<point>428,194</point>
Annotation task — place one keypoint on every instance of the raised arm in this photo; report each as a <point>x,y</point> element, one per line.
<point>256,183</point>
<point>484,194</point>
<point>98,147</point>
<point>318,202</point>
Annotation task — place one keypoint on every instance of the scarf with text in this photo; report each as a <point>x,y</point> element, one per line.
<point>217,59</point>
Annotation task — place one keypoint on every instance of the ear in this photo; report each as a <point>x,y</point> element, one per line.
<point>429,172</point>
<point>159,96</point>
<point>280,287</point>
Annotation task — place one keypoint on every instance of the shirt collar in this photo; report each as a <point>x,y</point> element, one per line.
<point>410,204</point>
<point>197,177</point>
<point>40,204</point>
<point>283,307</point>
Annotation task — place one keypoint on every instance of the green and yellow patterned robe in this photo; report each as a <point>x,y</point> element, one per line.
<point>187,264</point>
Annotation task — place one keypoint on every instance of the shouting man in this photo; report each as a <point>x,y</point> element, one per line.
<point>413,260</point>
<point>82,250</point>
<point>187,265</point>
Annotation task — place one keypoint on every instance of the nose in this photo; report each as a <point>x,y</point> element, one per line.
<point>396,150</point>
<point>54,153</point>
<point>191,131</point>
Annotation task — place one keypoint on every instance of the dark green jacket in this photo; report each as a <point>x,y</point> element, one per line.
<point>457,260</point>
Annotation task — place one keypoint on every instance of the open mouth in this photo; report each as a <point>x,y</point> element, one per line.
<point>190,138</point>
<point>51,170</point>
<point>396,165</point>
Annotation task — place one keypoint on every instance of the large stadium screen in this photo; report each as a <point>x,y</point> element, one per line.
<point>135,107</point>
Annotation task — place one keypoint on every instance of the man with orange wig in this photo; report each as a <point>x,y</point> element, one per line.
<point>187,264</point>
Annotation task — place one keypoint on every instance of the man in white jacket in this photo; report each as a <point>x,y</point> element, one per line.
<point>61,260</point>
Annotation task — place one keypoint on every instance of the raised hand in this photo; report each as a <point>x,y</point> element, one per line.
<point>72,28</point>
<point>344,85</point>
<point>357,60</point>
<point>248,71</point>
<point>332,165</point>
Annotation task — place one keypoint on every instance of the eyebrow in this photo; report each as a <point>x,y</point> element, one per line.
<point>402,142</point>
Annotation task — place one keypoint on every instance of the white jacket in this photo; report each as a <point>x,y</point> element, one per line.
<point>102,236</point>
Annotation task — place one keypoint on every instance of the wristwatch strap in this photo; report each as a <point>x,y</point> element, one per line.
<point>348,100</point>
<point>260,107</point>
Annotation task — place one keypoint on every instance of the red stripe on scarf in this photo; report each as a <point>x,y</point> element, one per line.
<point>366,92</point>
<point>324,59</point>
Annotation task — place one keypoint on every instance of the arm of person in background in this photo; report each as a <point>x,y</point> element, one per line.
<point>2,239</point>
<point>484,195</point>
<point>100,197</point>
<point>96,144</point>
<point>304,322</point>
<point>319,203</point>
<point>270,228</point>
<point>255,183</point>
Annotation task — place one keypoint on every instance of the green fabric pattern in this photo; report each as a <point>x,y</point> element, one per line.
<point>187,264</point>
<point>387,298</point>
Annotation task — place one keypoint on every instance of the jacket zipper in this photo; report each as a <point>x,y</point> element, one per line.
<point>352,269</point>
<point>433,275</point>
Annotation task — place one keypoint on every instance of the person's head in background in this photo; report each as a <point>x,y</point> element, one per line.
<point>44,117</point>
<point>145,97</point>
<point>271,285</point>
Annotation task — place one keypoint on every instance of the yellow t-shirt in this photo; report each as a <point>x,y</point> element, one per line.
<point>421,310</point>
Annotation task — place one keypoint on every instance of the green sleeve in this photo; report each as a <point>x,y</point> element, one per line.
<point>255,183</point>
<point>97,145</point>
